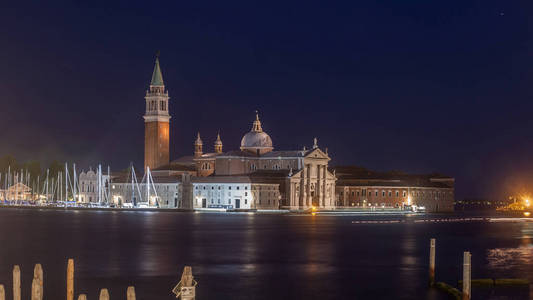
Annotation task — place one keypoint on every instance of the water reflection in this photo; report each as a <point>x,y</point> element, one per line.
<point>255,256</point>
<point>509,258</point>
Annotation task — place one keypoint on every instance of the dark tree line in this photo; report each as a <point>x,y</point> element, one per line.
<point>31,167</point>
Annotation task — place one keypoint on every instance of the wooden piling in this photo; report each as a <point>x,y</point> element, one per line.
<point>432,262</point>
<point>2,292</point>
<point>467,275</point>
<point>104,294</point>
<point>70,279</point>
<point>188,289</point>
<point>82,297</point>
<point>38,274</point>
<point>130,293</point>
<point>16,283</point>
<point>186,276</point>
<point>36,289</point>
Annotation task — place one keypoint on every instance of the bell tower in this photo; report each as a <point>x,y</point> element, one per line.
<point>156,122</point>
<point>198,146</point>
<point>218,144</point>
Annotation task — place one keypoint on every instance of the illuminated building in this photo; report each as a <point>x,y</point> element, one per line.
<point>18,192</point>
<point>164,192</point>
<point>88,186</point>
<point>302,175</point>
<point>235,192</point>
<point>361,188</point>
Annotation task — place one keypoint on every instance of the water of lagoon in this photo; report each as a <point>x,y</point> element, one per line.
<point>252,256</point>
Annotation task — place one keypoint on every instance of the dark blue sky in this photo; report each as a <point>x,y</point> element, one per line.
<point>415,85</point>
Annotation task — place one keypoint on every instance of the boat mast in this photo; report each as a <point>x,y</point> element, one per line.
<point>132,187</point>
<point>108,185</point>
<point>8,178</point>
<point>148,185</point>
<point>151,179</point>
<point>74,184</point>
<point>47,173</point>
<point>100,184</point>
<point>66,181</point>
<point>60,176</point>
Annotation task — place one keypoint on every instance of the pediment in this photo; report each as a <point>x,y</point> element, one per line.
<point>318,154</point>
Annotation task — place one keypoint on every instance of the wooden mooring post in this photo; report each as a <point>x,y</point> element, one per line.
<point>38,274</point>
<point>186,288</point>
<point>130,293</point>
<point>16,283</point>
<point>104,294</point>
<point>35,289</point>
<point>467,275</point>
<point>37,285</point>
<point>432,262</point>
<point>70,279</point>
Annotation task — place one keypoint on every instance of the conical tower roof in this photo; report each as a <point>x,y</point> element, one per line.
<point>218,141</point>
<point>198,140</point>
<point>157,77</point>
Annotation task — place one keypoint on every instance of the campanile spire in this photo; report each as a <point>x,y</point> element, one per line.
<point>157,77</point>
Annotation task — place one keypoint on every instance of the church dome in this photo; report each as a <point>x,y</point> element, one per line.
<point>257,140</point>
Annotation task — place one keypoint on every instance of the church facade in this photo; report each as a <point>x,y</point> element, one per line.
<point>302,176</point>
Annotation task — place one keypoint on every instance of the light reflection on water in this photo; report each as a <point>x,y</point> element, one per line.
<point>510,258</point>
<point>267,256</point>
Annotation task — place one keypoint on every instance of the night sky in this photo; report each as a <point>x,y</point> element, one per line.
<point>419,86</point>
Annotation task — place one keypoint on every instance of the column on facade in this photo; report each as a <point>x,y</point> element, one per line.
<point>294,200</point>
<point>346,202</point>
<point>319,190</point>
<point>325,183</point>
<point>308,190</point>
<point>302,187</point>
